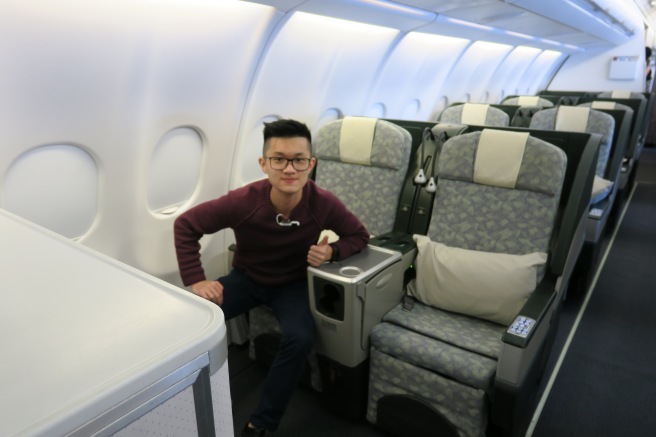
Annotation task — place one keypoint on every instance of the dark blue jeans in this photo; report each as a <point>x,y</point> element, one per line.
<point>290,304</point>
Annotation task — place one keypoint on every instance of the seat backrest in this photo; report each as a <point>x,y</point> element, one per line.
<point>528,101</point>
<point>639,122</point>
<point>633,134</point>
<point>416,201</point>
<point>523,116</point>
<point>364,162</point>
<point>580,119</point>
<point>474,113</point>
<point>621,94</point>
<point>498,192</point>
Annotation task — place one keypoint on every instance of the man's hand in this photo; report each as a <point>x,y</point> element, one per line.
<point>210,290</point>
<point>320,252</point>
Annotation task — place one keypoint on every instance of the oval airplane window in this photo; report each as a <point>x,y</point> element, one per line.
<point>174,170</point>
<point>55,186</point>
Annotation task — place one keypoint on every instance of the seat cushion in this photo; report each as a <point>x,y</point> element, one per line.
<point>465,407</point>
<point>424,351</point>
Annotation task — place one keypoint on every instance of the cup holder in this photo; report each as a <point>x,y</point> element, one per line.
<point>350,271</point>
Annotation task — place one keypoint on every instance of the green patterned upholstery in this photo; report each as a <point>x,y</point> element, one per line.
<point>464,406</point>
<point>478,217</point>
<point>614,95</point>
<point>370,192</point>
<point>449,360</point>
<point>598,122</point>
<point>514,100</point>
<point>494,116</point>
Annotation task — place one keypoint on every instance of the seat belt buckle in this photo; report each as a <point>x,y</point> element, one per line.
<point>408,302</point>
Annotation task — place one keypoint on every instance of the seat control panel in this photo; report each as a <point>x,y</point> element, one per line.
<point>522,326</point>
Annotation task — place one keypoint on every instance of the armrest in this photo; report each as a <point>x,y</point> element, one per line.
<point>600,209</point>
<point>399,241</point>
<point>520,355</point>
<point>536,308</point>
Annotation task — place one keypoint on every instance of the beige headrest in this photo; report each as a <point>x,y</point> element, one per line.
<point>572,118</point>
<point>603,105</point>
<point>620,94</point>
<point>528,100</point>
<point>499,157</point>
<point>356,139</point>
<point>474,113</point>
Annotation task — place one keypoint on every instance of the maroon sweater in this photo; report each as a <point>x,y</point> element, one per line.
<point>269,253</point>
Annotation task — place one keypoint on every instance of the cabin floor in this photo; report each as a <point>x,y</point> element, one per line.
<point>600,379</point>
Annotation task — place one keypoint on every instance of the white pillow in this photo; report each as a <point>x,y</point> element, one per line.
<point>491,286</point>
<point>600,189</point>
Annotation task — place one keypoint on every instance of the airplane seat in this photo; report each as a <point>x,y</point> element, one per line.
<point>621,94</point>
<point>639,125</point>
<point>604,189</point>
<point>567,100</point>
<point>523,116</point>
<point>528,101</point>
<point>580,119</point>
<point>474,113</point>
<point>632,140</point>
<point>413,213</point>
<point>437,360</point>
<point>364,162</point>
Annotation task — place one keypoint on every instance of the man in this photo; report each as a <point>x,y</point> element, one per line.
<point>276,222</point>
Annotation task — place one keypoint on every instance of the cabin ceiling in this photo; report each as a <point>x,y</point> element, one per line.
<point>565,25</point>
<point>582,23</point>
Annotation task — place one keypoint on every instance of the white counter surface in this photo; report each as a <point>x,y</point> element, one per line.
<point>80,332</point>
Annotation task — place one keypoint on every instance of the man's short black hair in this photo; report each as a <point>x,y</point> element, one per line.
<point>286,128</point>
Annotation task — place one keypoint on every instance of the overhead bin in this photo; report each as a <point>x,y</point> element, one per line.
<point>381,13</point>
<point>584,15</point>
<point>564,25</point>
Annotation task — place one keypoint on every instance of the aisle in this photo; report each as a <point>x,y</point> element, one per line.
<point>606,385</point>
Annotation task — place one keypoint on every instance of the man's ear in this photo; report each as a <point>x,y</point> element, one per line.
<point>262,163</point>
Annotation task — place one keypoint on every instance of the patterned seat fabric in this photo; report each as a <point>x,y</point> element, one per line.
<point>612,105</point>
<point>493,117</point>
<point>371,191</point>
<point>445,359</point>
<point>598,122</point>
<point>621,95</point>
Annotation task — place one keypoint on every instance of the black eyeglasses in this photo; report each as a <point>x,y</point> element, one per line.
<point>280,163</point>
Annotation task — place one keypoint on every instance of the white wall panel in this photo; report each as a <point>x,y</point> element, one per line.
<point>409,84</point>
<point>510,73</point>
<point>470,78</point>
<point>314,68</point>
<point>537,77</point>
<point>589,71</point>
<point>114,78</point>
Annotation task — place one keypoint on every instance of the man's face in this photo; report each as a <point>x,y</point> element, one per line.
<point>282,174</point>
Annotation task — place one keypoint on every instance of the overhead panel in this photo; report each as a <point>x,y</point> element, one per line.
<point>566,25</point>
<point>557,20</point>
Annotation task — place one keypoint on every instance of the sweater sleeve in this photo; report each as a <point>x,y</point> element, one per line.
<point>353,236</point>
<point>189,228</point>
